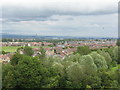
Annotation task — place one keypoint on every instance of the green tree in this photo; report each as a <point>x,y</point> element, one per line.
<point>28,51</point>
<point>106,56</point>
<point>42,53</point>
<point>36,75</point>
<point>88,65</point>
<point>59,67</point>
<point>83,50</point>
<point>19,49</point>
<point>116,52</point>
<point>118,42</point>
<point>30,73</point>
<point>15,59</point>
<point>54,44</point>
<point>8,76</point>
<point>99,60</point>
<point>74,58</point>
<point>93,81</point>
<point>108,79</point>
<point>3,52</point>
<point>42,44</point>
<point>75,75</point>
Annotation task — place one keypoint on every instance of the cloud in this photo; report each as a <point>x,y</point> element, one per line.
<point>61,17</point>
<point>67,26</point>
<point>25,9</point>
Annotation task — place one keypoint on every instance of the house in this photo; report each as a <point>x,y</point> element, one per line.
<point>50,52</point>
<point>5,58</point>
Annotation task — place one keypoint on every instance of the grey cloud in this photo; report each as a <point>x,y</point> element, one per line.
<point>17,13</point>
<point>61,19</point>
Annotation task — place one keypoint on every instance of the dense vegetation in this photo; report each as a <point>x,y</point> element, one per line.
<point>86,69</point>
<point>38,40</point>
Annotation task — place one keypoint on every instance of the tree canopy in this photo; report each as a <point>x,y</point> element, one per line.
<point>83,69</point>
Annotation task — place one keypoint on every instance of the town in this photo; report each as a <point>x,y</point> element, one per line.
<point>60,49</point>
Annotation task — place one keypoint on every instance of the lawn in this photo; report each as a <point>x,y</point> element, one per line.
<point>14,48</point>
<point>10,48</point>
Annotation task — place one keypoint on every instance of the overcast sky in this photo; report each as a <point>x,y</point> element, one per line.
<point>88,18</point>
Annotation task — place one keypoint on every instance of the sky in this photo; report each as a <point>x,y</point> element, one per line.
<point>82,18</point>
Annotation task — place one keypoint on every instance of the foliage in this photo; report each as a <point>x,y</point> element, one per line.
<point>106,56</point>
<point>8,76</point>
<point>30,73</point>
<point>18,49</point>
<point>73,58</point>
<point>118,42</point>
<point>75,73</point>
<point>79,70</point>
<point>28,51</point>
<point>88,65</point>
<point>99,60</point>
<point>116,56</point>
<point>109,79</point>
<point>3,52</point>
<point>16,58</point>
<point>42,53</point>
<point>6,40</point>
<point>83,50</point>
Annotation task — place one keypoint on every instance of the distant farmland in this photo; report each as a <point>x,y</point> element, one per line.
<point>14,48</point>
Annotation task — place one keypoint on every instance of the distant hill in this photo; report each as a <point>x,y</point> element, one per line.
<point>15,36</point>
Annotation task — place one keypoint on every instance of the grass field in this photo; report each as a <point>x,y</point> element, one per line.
<point>14,48</point>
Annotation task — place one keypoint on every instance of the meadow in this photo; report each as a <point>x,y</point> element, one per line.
<point>14,48</point>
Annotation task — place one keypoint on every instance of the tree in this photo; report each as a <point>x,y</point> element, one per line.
<point>54,44</point>
<point>116,52</point>
<point>75,75</point>
<point>59,67</point>
<point>106,56</point>
<point>83,50</point>
<point>74,58</point>
<point>55,51</point>
<point>42,44</point>
<point>15,59</point>
<point>28,51</point>
<point>74,71</point>
<point>110,51</point>
<point>8,76</point>
<point>42,53</point>
<point>21,48</point>
<point>99,60</point>
<point>3,52</point>
<point>118,42</point>
<point>108,79</point>
<point>30,73</point>
<point>66,63</point>
<point>93,81</point>
<point>88,65</point>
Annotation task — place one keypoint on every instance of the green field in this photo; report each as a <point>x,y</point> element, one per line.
<point>14,48</point>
